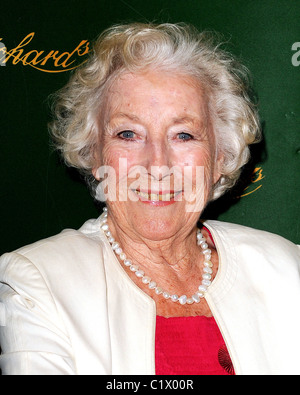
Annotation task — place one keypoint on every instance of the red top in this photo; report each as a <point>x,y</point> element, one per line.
<point>190,346</point>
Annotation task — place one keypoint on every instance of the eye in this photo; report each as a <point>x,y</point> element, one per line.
<point>126,135</point>
<point>184,136</point>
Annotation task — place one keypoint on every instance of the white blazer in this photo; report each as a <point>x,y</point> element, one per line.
<point>68,307</point>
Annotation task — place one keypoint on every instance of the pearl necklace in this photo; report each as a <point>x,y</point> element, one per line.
<point>183,299</point>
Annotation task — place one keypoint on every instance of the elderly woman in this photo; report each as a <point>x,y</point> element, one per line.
<point>159,120</point>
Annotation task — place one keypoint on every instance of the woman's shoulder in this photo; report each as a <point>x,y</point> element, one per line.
<point>88,234</point>
<point>255,253</point>
<point>69,248</point>
<point>245,237</point>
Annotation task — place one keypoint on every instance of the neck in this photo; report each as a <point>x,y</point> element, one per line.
<point>174,256</point>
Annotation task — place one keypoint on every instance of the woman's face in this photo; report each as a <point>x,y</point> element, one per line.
<point>156,137</point>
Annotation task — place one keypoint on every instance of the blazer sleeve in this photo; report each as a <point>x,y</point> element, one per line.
<point>33,338</point>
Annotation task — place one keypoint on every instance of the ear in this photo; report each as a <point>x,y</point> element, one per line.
<point>218,167</point>
<point>97,164</point>
<point>96,173</point>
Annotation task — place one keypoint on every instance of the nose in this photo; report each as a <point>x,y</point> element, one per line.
<point>158,160</point>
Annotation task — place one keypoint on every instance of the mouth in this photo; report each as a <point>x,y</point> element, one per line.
<point>161,196</point>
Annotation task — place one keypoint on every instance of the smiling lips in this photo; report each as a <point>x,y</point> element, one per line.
<point>158,199</point>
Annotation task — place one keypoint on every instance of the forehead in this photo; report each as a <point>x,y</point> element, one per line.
<point>156,91</point>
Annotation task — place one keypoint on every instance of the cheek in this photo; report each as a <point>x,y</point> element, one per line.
<point>194,157</point>
<point>197,170</point>
<point>121,160</point>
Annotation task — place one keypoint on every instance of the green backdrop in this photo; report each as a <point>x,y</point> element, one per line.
<point>40,197</point>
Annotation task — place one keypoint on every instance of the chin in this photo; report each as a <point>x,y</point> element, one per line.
<point>159,223</point>
<point>156,229</point>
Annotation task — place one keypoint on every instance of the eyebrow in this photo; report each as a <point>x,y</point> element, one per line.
<point>186,119</point>
<point>129,116</point>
